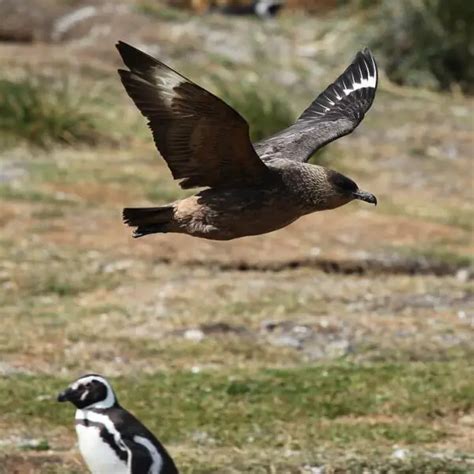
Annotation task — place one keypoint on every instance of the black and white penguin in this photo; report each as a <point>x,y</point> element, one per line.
<point>261,8</point>
<point>112,440</point>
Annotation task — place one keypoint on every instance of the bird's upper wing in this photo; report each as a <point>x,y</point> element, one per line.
<point>204,141</point>
<point>334,113</point>
<point>146,453</point>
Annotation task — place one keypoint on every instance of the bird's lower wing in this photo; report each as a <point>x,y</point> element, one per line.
<point>334,113</point>
<point>204,141</point>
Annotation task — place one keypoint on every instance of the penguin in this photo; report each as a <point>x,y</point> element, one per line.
<point>112,440</point>
<point>262,8</point>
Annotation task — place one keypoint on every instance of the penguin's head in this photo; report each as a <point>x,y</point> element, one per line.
<point>89,391</point>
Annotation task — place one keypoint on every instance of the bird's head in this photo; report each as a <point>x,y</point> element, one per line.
<point>340,190</point>
<point>89,391</point>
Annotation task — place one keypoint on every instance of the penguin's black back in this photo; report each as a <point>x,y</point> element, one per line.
<point>130,427</point>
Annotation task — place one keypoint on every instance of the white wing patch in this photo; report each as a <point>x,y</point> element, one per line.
<point>157,461</point>
<point>167,81</point>
<point>371,80</point>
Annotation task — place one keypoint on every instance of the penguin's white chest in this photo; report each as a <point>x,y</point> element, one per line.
<point>98,455</point>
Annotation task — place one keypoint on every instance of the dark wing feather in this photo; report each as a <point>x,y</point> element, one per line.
<point>142,444</point>
<point>334,113</point>
<point>204,141</point>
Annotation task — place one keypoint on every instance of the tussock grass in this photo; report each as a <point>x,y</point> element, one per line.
<point>427,43</point>
<point>161,11</point>
<point>42,111</point>
<point>266,112</point>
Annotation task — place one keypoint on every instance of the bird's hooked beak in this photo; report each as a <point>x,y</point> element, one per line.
<point>365,196</point>
<point>64,396</point>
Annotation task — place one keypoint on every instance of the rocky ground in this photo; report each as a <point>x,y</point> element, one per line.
<point>342,343</point>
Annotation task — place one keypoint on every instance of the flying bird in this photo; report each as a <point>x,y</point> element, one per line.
<point>250,189</point>
<point>112,440</point>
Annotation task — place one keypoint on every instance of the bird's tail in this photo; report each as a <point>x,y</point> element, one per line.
<point>148,220</point>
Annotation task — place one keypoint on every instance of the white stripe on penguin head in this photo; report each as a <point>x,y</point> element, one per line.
<point>110,398</point>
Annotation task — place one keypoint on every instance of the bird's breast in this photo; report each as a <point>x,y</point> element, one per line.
<point>97,453</point>
<point>100,443</point>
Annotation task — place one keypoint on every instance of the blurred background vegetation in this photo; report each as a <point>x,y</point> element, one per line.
<point>428,44</point>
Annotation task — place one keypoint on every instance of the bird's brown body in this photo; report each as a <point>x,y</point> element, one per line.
<point>238,212</point>
<point>230,214</point>
<point>251,189</point>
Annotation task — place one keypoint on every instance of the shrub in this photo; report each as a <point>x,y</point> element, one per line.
<point>427,42</point>
<point>42,111</point>
<point>266,113</point>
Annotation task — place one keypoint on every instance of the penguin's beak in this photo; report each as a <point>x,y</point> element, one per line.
<point>64,396</point>
<point>365,196</point>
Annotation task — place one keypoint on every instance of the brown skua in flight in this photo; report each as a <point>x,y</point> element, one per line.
<point>250,189</point>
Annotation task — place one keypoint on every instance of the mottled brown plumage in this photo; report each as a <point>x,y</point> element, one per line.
<point>250,189</point>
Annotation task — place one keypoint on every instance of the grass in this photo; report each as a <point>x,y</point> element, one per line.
<point>161,11</point>
<point>440,255</point>
<point>301,408</point>
<point>426,43</point>
<point>265,111</point>
<point>43,111</point>
<point>77,294</point>
<point>17,193</point>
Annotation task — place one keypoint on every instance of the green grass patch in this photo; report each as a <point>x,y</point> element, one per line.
<point>334,403</point>
<point>266,112</point>
<point>456,217</point>
<point>161,11</point>
<point>43,111</point>
<point>58,275</point>
<point>165,191</point>
<point>27,194</point>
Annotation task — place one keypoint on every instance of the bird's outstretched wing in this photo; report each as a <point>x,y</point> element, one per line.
<point>334,113</point>
<point>204,141</point>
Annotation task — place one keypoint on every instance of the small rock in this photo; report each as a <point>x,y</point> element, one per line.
<point>287,341</point>
<point>463,275</point>
<point>315,251</point>
<point>338,348</point>
<point>400,454</point>
<point>120,265</point>
<point>314,469</point>
<point>195,335</point>
<point>201,437</point>
<point>300,329</point>
<point>467,420</point>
